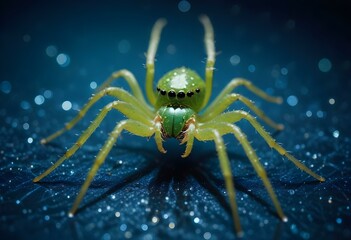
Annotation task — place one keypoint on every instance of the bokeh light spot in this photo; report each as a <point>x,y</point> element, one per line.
<point>234,60</point>
<point>5,87</point>
<point>39,100</point>
<point>63,60</point>
<point>324,65</point>
<point>66,105</point>
<point>184,6</point>
<point>51,51</point>
<point>251,68</point>
<point>123,46</point>
<point>292,100</point>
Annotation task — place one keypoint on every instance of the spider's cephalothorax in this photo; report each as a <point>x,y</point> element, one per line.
<point>182,88</point>
<point>179,108</point>
<point>180,94</point>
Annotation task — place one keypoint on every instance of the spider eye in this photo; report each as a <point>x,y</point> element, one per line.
<point>163,92</point>
<point>171,94</point>
<point>197,90</point>
<point>189,94</point>
<point>181,95</point>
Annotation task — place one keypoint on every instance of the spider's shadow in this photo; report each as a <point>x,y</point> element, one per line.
<point>173,172</point>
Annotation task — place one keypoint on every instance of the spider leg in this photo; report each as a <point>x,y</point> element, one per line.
<point>150,59</point>
<point>158,134</point>
<point>217,108</point>
<point>236,82</point>
<point>204,134</point>
<point>211,55</point>
<point>238,115</point>
<point>130,79</point>
<point>111,91</point>
<point>125,108</point>
<point>132,126</point>
<point>250,153</point>
<point>189,135</point>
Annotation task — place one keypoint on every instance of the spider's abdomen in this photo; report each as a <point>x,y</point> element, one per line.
<point>181,87</point>
<point>174,120</point>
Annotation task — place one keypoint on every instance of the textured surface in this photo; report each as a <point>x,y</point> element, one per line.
<point>52,56</point>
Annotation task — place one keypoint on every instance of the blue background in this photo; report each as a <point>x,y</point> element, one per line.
<point>140,193</point>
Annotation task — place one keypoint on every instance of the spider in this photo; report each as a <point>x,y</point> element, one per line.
<point>179,108</point>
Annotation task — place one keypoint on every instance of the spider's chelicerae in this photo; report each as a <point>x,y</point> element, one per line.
<point>173,111</point>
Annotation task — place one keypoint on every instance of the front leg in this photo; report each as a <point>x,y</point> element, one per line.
<point>219,106</point>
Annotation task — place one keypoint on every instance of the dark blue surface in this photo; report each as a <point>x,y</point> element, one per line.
<point>139,193</point>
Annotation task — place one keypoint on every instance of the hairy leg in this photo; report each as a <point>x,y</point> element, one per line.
<point>236,82</point>
<point>132,126</point>
<point>158,134</point>
<point>189,135</point>
<point>211,55</point>
<point>212,134</point>
<point>217,108</point>
<point>235,116</point>
<point>150,59</point>
<point>111,91</point>
<point>123,107</point>
<point>225,128</point>
<point>130,79</point>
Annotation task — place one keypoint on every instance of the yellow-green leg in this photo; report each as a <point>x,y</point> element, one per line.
<point>150,59</point>
<point>189,135</point>
<point>235,116</point>
<point>158,134</point>
<point>250,153</point>
<point>111,91</point>
<point>236,82</point>
<point>132,126</point>
<point>204,134</point>
<point>217,108</point>
<point>211,56</point>
<point>130,79</point>
<point>123,107</point>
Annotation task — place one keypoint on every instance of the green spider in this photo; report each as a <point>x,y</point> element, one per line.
<point>174,112</point>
